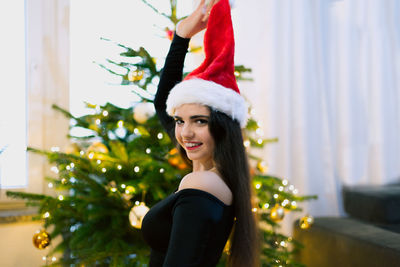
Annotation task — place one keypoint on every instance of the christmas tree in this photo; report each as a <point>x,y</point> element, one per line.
<point>106,181</point>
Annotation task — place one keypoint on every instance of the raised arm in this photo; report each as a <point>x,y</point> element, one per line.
<point>173,67</point>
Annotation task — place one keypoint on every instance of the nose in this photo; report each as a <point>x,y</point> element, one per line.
<point>187,131</point>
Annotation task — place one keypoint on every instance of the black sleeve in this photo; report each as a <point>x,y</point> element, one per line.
<point>170,76</point>
<point>192,225</point>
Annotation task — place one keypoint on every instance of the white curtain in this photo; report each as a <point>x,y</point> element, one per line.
<point>327,84</point>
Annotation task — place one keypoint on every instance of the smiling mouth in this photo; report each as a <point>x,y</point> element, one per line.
<point>192,146</point>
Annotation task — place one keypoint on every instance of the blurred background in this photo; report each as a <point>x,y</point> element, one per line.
<point>326,83</point>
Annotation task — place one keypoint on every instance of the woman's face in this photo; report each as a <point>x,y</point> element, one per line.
<point>192,132</point>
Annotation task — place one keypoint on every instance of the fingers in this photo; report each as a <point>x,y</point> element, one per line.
<point>207,8</point>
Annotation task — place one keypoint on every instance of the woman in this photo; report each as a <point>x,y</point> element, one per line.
<point>203,115</point>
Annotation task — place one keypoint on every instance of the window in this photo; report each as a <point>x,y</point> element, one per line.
<point>13,96</point>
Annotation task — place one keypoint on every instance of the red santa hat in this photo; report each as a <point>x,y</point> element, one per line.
<point>213,83</point>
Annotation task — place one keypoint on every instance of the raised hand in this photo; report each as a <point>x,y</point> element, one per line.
<point>197,21</point>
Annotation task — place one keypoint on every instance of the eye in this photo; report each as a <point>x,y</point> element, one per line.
<point>202,121</point>
<point>178,121</point>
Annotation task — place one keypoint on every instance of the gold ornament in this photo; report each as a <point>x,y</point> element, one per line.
<point>135,75</point>
<point>72,148</point>
<point>175,159</point>
<point>130,189</point>
<point>97,147</point>
<point>277,213</point>
<point>143,111</point>
<point>306,222</point>
<point>262,166</point>
<point>41,239</point>
<point>137,213</point>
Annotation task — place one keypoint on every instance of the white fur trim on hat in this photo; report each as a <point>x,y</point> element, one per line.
<point>210,94</point>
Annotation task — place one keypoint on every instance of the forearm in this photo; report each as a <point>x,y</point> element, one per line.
<point>170,76</point>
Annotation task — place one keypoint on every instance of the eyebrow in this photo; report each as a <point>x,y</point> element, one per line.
<point>193,117</point>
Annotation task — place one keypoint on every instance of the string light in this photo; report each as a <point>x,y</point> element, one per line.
<point>136,169</point>
<point>72,179</point>
<point>253,111</point>
<point>50,185</point>
<point>120,124</point>
<point>246,143</point>
<point>291,187</point>
<point>113,189</point>
<point>119,167</point>
<point>82,152</point>
<point>72,165</point>
<point>283,244</point>
<point>91,155</point>
<point>295,191</point>
<point>237,73</point>
<point>148,150</point>
<point>276,195</point>
<point>63,181</point>
<point>44,258</point>
<point>123,186</point>
<point>103,170</point>
<point>61,197</point>
<point>160,136</point>
<point>294,204</point>
<point>280,188</point>
<point>54,169</point>
<point>136,131</point>
<point>162,170</point>
<point>68,167</point>
<point>258,186</point>
<point>98,121</point>
<point>54,259</point>
<point>285,202</point>
<point>254,210</point>
<point>98,161</point>
<point>266,206</point>
<point>285,182</point>
<point>137,203</point>
<point>46,214</point>
<point>97,108</point>
<point>55,149</point>
<point>105,113</point>
<point>260,141</point>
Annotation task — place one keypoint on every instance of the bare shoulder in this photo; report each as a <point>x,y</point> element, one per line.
<point>209,182</point>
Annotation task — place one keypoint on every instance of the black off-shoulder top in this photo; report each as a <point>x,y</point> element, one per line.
<point>190,227</point>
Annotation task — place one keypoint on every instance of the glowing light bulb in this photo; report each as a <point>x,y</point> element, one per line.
<point>160,136</point>
<point>285,182</point>
<point>103,170</point>
<point>148,150</point>
<point>61,197</point>
<point>120,124</point>
<point>55,149</point>
<point>258,186</point>
<point>98,121</point>
<point>136,131</point>
<point>82,152</point>
<point>162,170</point>
<point>246,143</point>
<point>260,141</point>
<point>105,113</point>
<point>91,155</point>
<point>46,214</point>
<point>276,195</point>
<point>119,167</point>
<point>54,169</point>
<point>50,185</point>
<point>98,161</point>
<point>266,206</point>
<point>136,169</point>
<point>123,186</point>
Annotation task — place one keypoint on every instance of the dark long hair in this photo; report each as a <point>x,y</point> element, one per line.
<point>231,162</point>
